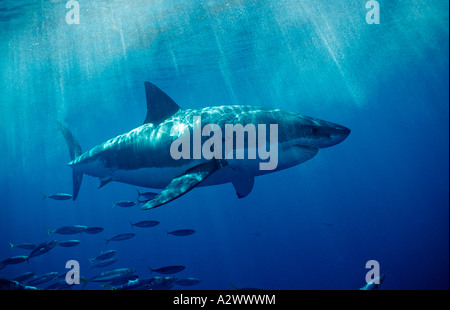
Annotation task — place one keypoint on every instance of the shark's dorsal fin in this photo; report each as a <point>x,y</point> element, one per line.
<point>159,105</point>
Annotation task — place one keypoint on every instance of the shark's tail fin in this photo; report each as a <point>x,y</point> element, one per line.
<point>49,231</point>
<point>113,288</point>
<point>75,151</point>
<point>149,268</point>
<point>84,281</point>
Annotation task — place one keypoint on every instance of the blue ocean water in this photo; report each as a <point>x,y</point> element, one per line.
<point>380,195</point>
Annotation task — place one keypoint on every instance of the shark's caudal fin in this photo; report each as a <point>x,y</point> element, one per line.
<point>159,105</point>
<point>84,281</point>
<point>75,151</point>
<point>107,285</point>
<point>49,231</point>
<point>184,183</point>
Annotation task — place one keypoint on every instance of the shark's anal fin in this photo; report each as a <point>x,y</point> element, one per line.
<point>243,183</point>
<point>104,181</point>
<point>183,184</point>
<point>159,105</point>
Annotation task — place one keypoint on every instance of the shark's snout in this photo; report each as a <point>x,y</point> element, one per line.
<point>315,133</point>
<point>328,134</point>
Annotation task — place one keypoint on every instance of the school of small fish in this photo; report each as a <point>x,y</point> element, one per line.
<point>114,279</point>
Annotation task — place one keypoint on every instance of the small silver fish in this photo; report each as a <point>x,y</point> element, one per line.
<point>12,285</point>
<point>146,195</point>
<point>145,224</point>
<point>94,230</point>
<point>181,232</point>
<point>69,243</point>
<point>68,230</point>
<point>42,248</point>
<point>131,284</point>
<point>167,269</point>
<point>26,246</point>
<point>124,203</point>
<point>24,276</point>
<point>103,263</point>
<point>104,255</point>
<point>161,283</point>
<point>42,278</point>
<point>121,237</point>
<point>58,196</point>
<point>110,275</point>
<point>13,260</point>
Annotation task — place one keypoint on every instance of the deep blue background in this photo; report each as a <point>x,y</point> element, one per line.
<point>385,188</point>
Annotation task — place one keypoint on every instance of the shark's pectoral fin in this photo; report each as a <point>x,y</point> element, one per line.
<point>243,183</point>
<point>183,184</point>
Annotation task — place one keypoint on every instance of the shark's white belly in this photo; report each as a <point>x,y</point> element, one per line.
<point>160,177</point>
<point>157,178</point>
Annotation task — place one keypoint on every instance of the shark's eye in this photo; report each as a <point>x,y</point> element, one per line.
<point>315,129</point>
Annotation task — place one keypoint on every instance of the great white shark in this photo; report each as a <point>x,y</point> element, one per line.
<point>142,156</point>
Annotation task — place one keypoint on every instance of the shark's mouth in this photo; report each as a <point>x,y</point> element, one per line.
<point>305,151</point>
